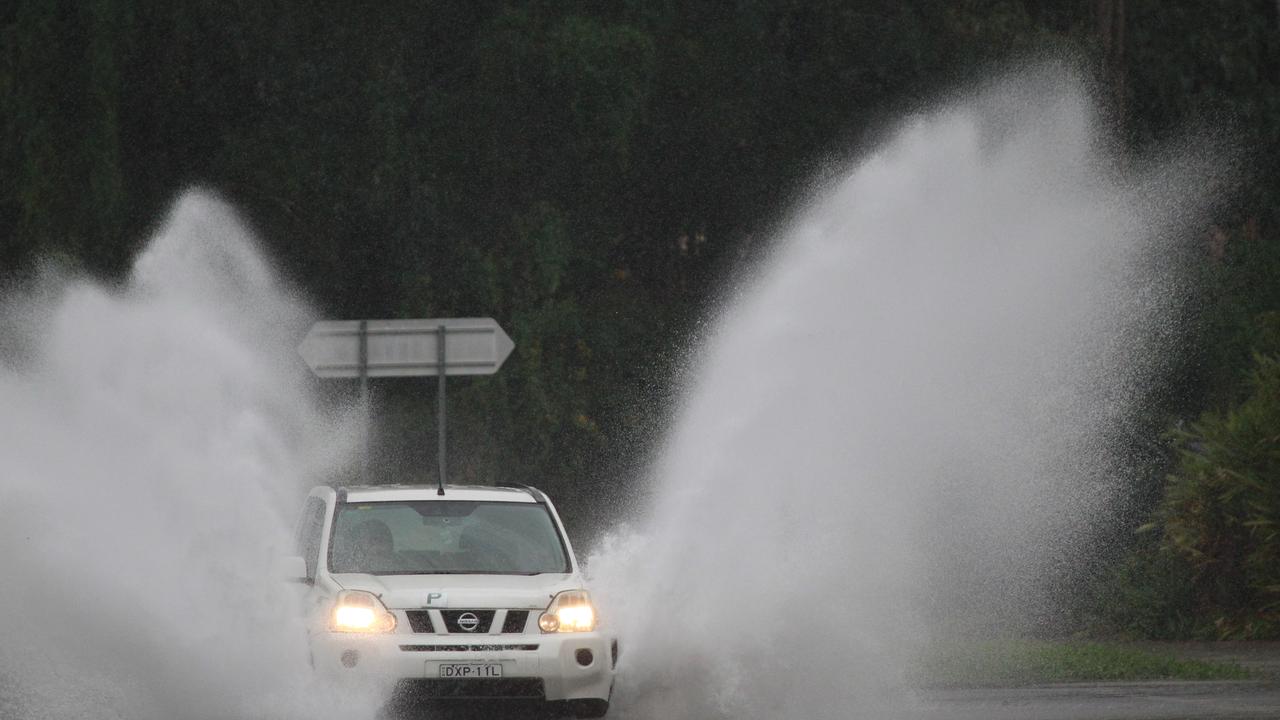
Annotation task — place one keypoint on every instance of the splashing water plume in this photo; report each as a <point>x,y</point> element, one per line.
<point>154,440</point>
<point>904,425</point>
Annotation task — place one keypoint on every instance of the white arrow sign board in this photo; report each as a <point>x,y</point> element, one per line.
<point>402,348</point>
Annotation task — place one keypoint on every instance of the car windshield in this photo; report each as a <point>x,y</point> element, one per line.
<point>445,537</point>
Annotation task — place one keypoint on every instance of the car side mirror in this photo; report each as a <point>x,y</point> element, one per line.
<point>292,569</point>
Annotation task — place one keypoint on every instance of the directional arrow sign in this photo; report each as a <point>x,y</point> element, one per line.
<point>399,348</point>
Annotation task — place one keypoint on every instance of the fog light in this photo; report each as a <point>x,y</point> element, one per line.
<point>585,657</point>
<point>350,658</point>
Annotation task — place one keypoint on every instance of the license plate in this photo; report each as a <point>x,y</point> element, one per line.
<point>459,670</point>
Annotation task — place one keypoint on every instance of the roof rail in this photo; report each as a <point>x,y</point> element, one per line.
<point>535,493</point>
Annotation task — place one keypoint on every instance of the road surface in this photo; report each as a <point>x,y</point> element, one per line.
<point>1110,701</point>
<point>1078,701</point>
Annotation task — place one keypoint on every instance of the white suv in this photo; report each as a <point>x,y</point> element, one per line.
<point>471,593</point>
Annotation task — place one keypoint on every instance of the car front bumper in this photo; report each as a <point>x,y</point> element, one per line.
<point>555,659</point>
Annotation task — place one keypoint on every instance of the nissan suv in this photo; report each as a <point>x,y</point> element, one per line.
<point>460,592</point>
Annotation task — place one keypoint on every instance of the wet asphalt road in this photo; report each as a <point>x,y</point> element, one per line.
<point>1165,700</point>
<point>1078,701</point>
<point>1110,701</point>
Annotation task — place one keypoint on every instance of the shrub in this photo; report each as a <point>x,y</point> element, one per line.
<point>1147,595</point>
<point>1221,509</point>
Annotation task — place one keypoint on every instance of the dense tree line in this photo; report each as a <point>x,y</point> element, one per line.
<point>585,172</point>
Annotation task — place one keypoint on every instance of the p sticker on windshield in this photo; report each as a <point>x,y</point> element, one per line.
<point>437,599</point>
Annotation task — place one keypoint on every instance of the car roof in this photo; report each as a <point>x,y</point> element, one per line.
<point>471,493</point>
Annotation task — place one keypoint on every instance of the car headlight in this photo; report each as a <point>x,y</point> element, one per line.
<point>360,611</point>
<point>570,611</point>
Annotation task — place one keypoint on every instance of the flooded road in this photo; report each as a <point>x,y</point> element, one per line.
<point>1110,701</point>
<point>1075,701</point>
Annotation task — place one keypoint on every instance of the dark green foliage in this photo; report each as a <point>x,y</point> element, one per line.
<point>586,173</point>
<point>1147,594</point>
<point>1208,565</point>
<point>1221,511</point>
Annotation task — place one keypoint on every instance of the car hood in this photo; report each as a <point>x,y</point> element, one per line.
<point>462,591</point>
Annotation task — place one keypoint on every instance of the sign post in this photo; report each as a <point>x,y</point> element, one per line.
<point>406,348</point>
<point>442,335</point>
<point>365,407</point>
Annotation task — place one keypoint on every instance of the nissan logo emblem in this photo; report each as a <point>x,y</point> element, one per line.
<point>468,621</point>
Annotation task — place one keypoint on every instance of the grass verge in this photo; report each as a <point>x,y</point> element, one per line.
<point>1035,662</point>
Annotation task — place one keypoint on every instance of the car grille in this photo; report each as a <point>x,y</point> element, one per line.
<point>484,621</point>
<point>420,621</point>
<point>513,624</point>
<point>515,621</point>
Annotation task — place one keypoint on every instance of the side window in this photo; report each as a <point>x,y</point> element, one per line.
<point>310,527</point>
